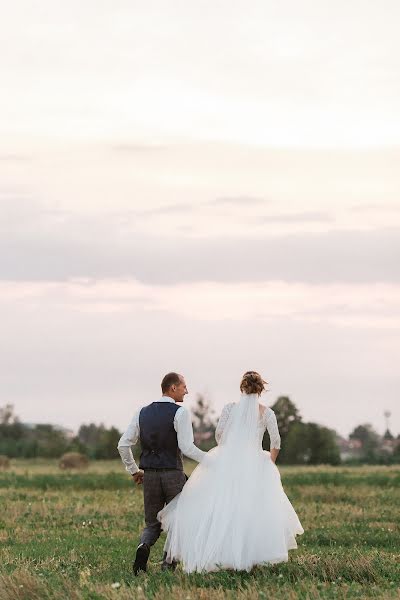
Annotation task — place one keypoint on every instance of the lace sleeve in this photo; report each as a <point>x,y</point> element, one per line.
<point>272,427</point>
<point>226,411</point>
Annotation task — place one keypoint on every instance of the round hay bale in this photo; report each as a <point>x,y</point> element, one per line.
<point>4,462</point>
<point>73,460</point>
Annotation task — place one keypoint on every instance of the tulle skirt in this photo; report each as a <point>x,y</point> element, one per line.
<point>232,514</point>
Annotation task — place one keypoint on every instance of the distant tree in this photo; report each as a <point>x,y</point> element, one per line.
<point>322,445</point>
<point>369,439</point>
<point>50,442</point>
<point>11,432</point>
<point>396,451</point>
<point>204,423</point>
<point>7,415</point>
<point>89,435</point>
<point>108,444</point>
<point>286,414</point>
<point>295,451</point>
<point>98,441</point>
<point>388,435</point>
<point>310,444</point>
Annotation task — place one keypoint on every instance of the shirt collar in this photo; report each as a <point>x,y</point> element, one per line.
<point>167,399</point>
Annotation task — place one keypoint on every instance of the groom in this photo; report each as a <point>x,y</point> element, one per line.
<point>165,432</point>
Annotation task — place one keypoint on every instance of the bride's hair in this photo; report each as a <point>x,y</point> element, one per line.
<point>252,383</point>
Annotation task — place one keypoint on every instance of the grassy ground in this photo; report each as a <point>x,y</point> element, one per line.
<point>73,535</point>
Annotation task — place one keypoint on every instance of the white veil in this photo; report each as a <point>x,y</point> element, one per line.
<point>232,511</point>
<point>219,490</point>
<point>240,434</point>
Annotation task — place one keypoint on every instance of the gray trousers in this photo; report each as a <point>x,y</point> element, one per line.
<point>159,488</point>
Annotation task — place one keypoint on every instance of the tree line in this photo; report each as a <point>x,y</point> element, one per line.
<point>308,443</point>
<point>20,440</point>
<point>302,442</point>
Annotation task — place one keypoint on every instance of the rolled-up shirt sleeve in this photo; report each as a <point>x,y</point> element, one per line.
<point>128,439</point>
<point>184,431</point>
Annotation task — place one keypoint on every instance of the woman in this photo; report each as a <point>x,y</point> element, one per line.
<point>233,512</point>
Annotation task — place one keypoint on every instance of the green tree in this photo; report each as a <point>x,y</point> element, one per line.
<point>286,414</point>
<point>310,444</point>
<point>322,445</point>
<point>12,432</point>
<point>295,451</point>
<point>369,441</point>
<point>99,442</point>
<point>50,441</point>
<point>396,451</point>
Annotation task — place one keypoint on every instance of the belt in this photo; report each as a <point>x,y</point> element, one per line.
<point>158,470</point>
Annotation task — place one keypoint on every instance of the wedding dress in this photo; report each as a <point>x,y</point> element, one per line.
<point>233,512</point>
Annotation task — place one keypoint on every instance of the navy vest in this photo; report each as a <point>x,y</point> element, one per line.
<point>158,437</point>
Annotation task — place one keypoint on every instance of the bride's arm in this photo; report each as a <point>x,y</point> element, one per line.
<point>222,422</point>
<point>274,436</point>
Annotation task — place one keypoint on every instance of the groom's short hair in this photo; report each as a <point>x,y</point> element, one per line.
<point>168,380</point>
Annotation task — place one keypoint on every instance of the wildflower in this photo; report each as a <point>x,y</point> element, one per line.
<point>280,575</point>
<point>116,585</point>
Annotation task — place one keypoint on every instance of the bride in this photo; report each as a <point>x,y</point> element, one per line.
<point>233,512</point>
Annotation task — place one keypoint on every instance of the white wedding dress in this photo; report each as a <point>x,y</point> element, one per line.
<point>233,512</point>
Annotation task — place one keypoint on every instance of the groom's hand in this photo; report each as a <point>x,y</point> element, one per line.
<point>138,477</point>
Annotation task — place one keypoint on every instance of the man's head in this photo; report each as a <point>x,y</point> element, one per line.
<point>174,386</point>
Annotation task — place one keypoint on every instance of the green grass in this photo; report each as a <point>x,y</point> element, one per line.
<point>73,535</point>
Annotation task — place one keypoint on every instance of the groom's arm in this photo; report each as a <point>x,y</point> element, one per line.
<point>128,439</point>
<point>184,432</point>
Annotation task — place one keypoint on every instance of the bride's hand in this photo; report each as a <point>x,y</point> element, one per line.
<point>274,454</point>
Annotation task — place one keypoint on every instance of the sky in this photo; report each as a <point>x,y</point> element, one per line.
<point>204,187</point>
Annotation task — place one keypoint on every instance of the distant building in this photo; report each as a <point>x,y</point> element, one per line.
<point>352,449</point>
<point>349,449</point>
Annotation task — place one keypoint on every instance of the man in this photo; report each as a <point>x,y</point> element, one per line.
<point>165,432</point>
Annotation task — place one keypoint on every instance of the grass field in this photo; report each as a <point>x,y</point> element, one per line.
<point>73,535</point>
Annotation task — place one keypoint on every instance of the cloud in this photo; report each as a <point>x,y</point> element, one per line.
<point>351,305</point>
<point>189,207</point>
<point>167,210</point>
<point>382,207</point>
<point>302,217</point>
<point>139,148</point>
<point>15,157</point>
<point>237,201</point>
<point>59,247</point>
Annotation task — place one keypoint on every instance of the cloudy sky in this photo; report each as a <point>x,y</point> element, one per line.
<point>206,187</point>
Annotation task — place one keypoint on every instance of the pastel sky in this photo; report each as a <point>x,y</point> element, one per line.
<point>206,187</point>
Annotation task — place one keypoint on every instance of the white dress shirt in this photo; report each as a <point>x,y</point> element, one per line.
<point>184,432</point>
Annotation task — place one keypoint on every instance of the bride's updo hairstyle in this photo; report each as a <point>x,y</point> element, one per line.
<point>252,383</point>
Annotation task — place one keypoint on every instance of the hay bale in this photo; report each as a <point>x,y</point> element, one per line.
<point>73,460</point>
<point>4,462</point>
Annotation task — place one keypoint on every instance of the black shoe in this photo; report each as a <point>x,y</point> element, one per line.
<point>166,566</point>
<point>142,554</point>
